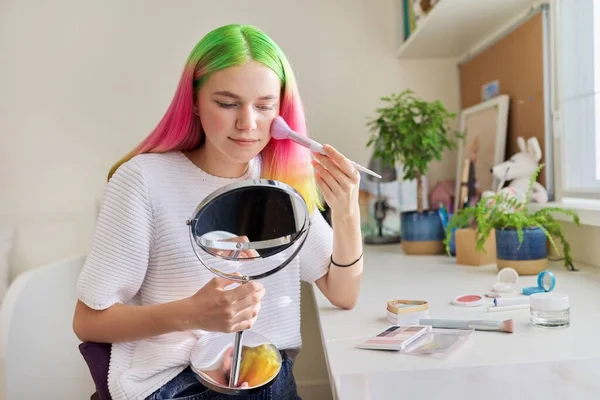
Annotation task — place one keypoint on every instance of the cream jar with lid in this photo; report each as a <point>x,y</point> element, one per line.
<point>550,310</point>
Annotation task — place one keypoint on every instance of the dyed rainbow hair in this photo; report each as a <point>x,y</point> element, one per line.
<point>180,129</point>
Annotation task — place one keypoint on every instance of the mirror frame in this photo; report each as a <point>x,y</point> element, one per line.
<point>287,240</point>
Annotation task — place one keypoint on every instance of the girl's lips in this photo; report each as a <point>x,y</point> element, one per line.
<point>245,142</point>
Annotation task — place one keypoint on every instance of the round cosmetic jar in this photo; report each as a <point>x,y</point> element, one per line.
<point>550,310</point>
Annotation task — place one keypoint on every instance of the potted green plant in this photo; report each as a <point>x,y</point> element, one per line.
<point>521,236</point>
<point>414,132</point>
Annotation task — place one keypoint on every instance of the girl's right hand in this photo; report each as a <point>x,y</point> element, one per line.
<point>215,309</point>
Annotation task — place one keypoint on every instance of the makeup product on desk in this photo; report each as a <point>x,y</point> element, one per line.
<point>478,325</point>
<point>546,281</point>
<point>394,338</point>
<point>280,130</point>
<point>511,301</point>
<point>492,295</point>
<point>550,310</point>
<point>507,280</point>
<point>492,309</point>
<point>406,312</point>
<point>469,300</point>
<point>508,304</point>
<point>437,343</point>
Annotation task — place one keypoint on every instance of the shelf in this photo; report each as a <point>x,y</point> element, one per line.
<point>453,28</point>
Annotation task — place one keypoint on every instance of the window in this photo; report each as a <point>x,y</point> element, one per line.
<point>578,75</point>
<point>596,23</point>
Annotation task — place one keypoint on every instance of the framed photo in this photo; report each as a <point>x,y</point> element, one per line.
<point>484,145</point>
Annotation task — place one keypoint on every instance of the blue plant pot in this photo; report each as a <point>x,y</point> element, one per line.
<point>422,233</point>
<point>528,257</point>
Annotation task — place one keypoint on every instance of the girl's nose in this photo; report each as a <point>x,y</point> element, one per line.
<point>246,120</point>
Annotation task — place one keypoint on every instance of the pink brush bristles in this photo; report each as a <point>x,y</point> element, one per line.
<point>279,129</point>
<point>507,326</point>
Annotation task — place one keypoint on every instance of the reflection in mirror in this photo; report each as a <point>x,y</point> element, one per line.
<point>249,221</point>
<point>260,362</point>
<point>268,217</point>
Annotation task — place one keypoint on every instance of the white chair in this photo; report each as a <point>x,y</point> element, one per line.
<point>39,355</point>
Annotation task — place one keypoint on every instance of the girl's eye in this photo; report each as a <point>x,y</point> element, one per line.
<point>265,108</point>
<point>225,105</point>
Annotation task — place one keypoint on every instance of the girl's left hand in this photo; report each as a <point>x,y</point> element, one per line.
<point>338,180</point>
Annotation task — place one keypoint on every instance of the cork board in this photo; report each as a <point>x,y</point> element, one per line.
<point>516,62</point>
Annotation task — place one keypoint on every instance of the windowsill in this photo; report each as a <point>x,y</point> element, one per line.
<point>588,210</point>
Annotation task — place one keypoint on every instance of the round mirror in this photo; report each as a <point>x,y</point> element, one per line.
<point>237,229</point>
<point>244,231</point>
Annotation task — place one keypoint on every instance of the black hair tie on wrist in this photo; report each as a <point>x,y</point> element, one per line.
<point>346,265</point>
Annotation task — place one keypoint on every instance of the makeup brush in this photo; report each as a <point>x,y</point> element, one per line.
<point>479,325</point>
<point>280,130</point>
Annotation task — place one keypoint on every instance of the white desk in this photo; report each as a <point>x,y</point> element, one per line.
<point>531,363</point>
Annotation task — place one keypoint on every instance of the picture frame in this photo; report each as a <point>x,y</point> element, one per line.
<point>483,146</point>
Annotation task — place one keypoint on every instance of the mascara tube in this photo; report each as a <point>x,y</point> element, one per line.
<point>511,301</point>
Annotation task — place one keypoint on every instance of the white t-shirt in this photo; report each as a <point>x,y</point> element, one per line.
<point>141,254</point>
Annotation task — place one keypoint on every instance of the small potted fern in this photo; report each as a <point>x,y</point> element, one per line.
<point>521,236</point>
<point>414,132</point>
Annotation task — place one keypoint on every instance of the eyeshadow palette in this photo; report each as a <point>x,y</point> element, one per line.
<point>395,337</point>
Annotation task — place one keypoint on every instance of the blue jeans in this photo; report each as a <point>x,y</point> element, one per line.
<point>186,386</point>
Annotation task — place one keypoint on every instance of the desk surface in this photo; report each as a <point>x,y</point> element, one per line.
<point>565,362</point>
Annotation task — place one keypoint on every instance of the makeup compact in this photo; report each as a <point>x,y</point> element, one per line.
<point>507,280</point>
<point>469,300</point>
<point>406,312</point>
<point>546,281</point>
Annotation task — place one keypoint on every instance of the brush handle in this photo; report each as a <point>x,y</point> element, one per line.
<point>484,325</point>
<point>363,169</point>
<point>307,142</point>
<point>318,148</point>
<point>480,325</point>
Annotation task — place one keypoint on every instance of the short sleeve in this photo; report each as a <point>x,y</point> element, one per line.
<point>316,252</point>
<point>118,258</point>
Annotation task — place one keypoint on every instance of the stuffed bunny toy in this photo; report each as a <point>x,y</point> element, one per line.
<point>518,170</point>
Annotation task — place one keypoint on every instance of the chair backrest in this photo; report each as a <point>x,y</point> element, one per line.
<point>39,355</point>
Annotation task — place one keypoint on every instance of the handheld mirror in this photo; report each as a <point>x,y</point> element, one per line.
<point>244,231</point>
